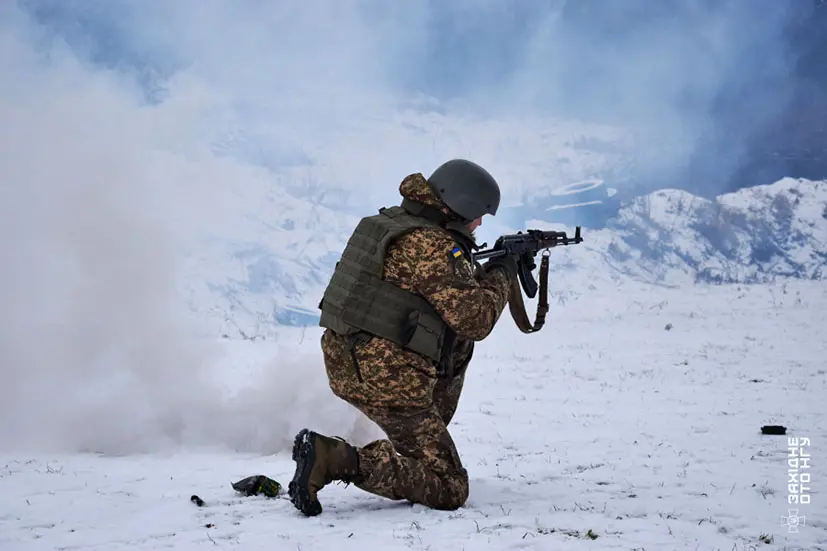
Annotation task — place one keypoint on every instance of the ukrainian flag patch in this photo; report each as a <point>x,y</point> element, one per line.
<point>456,252</point>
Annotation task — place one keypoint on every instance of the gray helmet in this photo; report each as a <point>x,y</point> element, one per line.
<point>466,188</point>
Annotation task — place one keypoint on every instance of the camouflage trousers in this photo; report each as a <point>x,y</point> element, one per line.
<point>400,392</point>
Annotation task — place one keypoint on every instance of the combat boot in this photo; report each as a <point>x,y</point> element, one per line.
<point>319,461</point>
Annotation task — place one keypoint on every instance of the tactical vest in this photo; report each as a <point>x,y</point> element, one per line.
<point>357,299</point>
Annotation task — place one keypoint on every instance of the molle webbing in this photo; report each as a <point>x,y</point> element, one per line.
<point>358,299</point>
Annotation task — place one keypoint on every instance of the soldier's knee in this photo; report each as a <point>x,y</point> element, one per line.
<point>456,492</point>
<point>454,501</point>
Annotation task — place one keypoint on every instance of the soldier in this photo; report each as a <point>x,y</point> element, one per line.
<point>402,311</point>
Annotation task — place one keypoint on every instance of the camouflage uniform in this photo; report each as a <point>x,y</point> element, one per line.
<point>400,390</point>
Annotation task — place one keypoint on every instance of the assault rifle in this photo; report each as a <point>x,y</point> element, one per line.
<point>525,247</point>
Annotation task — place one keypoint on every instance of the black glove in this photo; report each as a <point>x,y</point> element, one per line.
<point>509,262</point>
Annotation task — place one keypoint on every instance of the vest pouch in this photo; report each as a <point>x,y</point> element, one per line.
<point>424,334</point>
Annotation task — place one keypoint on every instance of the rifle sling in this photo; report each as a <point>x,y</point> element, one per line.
<point>517,306</point>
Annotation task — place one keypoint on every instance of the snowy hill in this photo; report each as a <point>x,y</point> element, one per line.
<point>604,425</point>
<point>753,235</point>
<point>231,148</point>
<point>276,275</point>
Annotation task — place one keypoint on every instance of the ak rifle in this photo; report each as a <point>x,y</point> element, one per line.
<point>525,246</point>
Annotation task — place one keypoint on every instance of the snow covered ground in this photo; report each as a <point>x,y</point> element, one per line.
<point>633,417</point>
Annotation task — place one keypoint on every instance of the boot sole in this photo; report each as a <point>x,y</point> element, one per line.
<point>304,454</point>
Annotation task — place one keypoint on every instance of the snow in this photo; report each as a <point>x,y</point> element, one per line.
<point>220,211</point>
<point>606,422</point>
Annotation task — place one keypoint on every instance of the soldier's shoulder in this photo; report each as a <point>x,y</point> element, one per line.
<point>434,254</point>
<point>423,252</point>
<point>427,240</point>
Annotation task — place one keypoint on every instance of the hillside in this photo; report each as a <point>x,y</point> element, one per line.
<point>247,288</point>
<point>756,234</point>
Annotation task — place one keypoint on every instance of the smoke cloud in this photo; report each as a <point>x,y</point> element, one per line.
<point>108,116</point>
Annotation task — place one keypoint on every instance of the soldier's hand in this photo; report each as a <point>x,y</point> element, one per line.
<point>509,262</point>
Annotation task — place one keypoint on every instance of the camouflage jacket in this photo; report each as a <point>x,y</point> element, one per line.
<point>425,263</point>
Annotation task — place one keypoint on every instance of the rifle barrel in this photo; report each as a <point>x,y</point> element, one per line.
<point>490,253</point>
